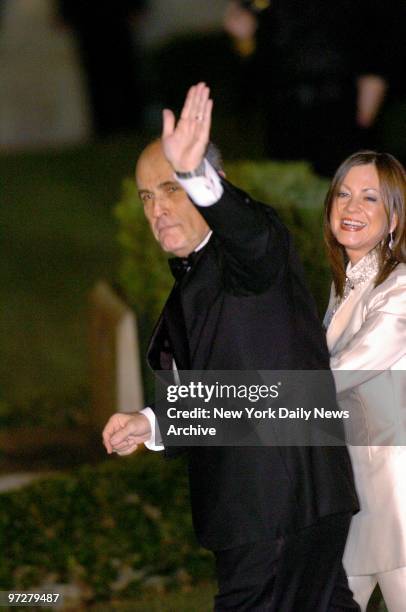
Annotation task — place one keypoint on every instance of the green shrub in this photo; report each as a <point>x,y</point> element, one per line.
<point>298,195</point>
<point>93,527</point>
<point>54,411</point>
<point>292,188</point>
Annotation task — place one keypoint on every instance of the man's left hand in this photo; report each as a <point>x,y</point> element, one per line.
<point>184,143</point>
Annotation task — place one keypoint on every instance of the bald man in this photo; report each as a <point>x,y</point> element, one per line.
<point>276,517</point>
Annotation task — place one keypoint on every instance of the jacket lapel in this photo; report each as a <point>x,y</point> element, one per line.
<point>342,323</point>
<point>201,303</point>
<point>187,324</point>
<point>169,338</point>
<point>159,351</point>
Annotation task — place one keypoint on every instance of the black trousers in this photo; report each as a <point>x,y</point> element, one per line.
<point>299,573</point>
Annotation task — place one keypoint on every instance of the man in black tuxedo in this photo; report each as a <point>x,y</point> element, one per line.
<point>275,517</point>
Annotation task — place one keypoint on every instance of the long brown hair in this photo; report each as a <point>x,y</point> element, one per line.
<point>392,179</point>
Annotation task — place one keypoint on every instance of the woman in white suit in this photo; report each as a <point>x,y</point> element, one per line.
<point>365,231</point>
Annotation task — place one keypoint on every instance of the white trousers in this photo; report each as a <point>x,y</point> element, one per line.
<point>392,585</point>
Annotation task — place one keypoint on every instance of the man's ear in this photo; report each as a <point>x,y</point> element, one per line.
<point>221,173</point>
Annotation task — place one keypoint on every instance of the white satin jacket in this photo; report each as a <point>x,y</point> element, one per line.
<point>366,336</point>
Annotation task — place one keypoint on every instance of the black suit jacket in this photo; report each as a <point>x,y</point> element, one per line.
<point>245,307</point>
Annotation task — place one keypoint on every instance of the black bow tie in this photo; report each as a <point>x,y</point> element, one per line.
<point>180,265</point>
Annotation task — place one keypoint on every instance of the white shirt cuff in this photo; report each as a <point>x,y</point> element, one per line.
<point>152,443</point>
<point>203,190</point>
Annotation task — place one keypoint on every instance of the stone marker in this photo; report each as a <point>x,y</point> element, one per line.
<point>115,372</point>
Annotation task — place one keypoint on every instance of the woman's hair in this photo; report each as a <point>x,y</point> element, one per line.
<point>392,179</point>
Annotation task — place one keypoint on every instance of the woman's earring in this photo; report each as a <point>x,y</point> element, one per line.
<point>391,241</point>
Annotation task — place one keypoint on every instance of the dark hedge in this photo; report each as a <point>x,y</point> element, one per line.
<point>109,530</point>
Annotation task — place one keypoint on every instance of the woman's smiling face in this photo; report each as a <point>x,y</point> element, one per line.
<point>358,218</point>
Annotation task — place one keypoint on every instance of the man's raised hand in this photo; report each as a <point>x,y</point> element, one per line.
<point>184,143</point>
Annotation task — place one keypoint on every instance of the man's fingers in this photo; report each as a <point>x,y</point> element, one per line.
<point>127,451</point>
<point>189,102</point>
<point>130,430</point>
<point>199,102</point>
<point>206,121</point>
<point>168,120</point>
<point>184,143</point>
<point>120,445</point>
<point>196,99</point>
<point>130,444</point>
<point>124,429</point>
<point>108,431</point>
<point>201,99</point>
<point>107,446</point>
<point>126,447</point>
<point>113,434</point>
<point>119,438</point>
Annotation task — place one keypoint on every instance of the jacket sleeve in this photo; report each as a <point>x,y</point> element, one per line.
<point>380,342</point>
<point>254,243</point>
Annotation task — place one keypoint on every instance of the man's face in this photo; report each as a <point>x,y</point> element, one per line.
<point>176,224</point>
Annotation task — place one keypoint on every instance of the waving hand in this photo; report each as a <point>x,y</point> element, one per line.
<point>184,143</point>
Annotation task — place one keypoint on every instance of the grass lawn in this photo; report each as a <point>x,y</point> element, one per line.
<point>198,599</point>
<point>57,239</point>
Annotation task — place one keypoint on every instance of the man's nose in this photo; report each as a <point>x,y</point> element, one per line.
<point>161,206</point>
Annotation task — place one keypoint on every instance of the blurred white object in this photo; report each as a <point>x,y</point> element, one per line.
<point>42,96</point>
<point>10,482</point>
